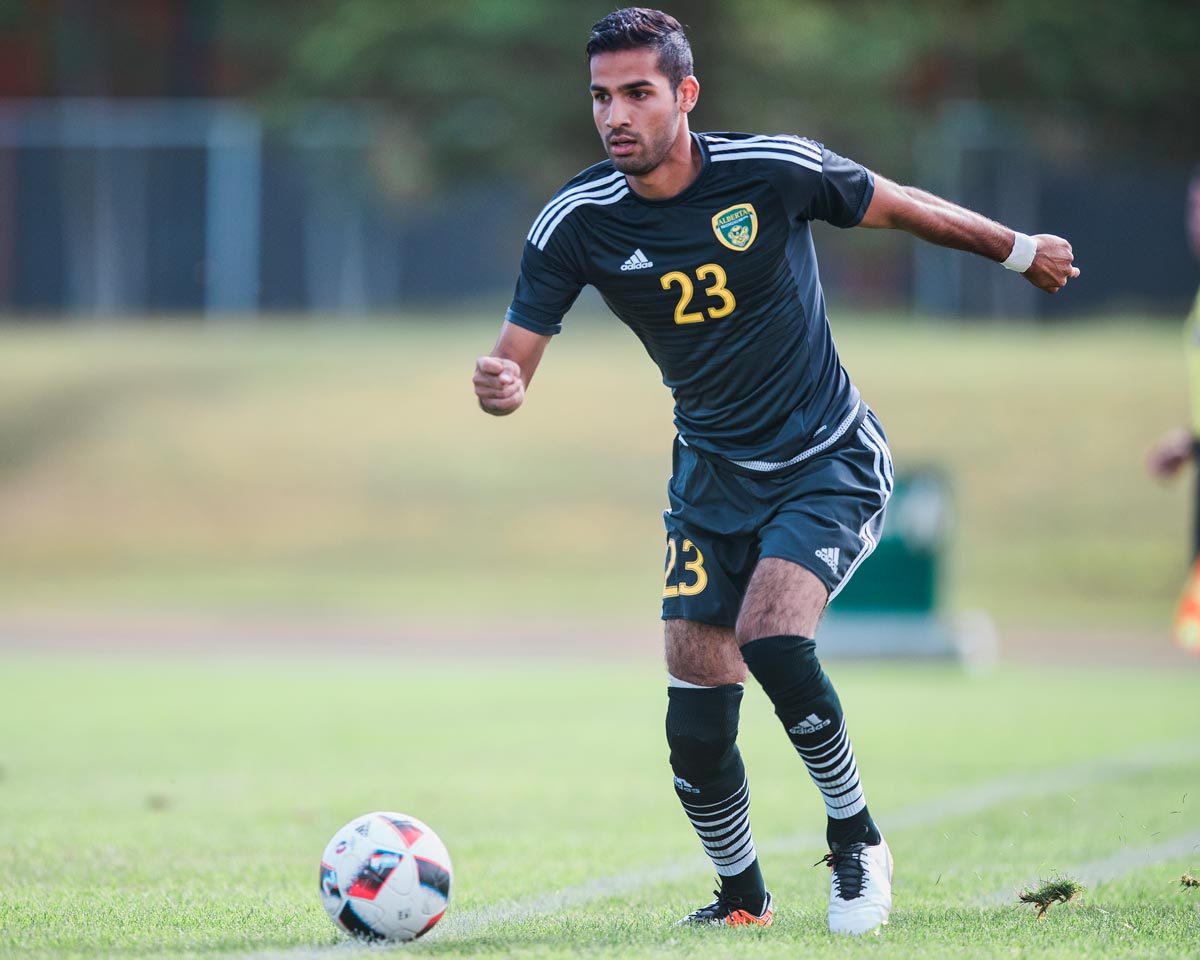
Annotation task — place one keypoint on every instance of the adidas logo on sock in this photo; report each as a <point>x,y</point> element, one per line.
<point>829,555</point>
<point>637,262</point>
<point>681,784</point>
<point>810,724</point>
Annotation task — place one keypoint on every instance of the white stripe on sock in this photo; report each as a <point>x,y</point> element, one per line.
<point>733,854</point>
<point>832,767</point>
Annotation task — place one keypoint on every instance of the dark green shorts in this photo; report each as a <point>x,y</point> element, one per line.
<point>825,514</point>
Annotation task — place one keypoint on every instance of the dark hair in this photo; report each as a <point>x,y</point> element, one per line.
<point>637,27</point>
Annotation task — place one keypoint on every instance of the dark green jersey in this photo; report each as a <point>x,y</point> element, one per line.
<point>720,284</point>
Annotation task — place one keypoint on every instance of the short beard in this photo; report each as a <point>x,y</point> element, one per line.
<point>653,156</point>
<point>634,168</point>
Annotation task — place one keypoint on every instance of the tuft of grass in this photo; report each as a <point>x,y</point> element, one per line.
<point>1055,890</point>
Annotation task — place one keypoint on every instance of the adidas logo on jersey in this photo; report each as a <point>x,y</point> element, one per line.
<point>829,556</point>
<point>810,724</point>
<point>637,262</point>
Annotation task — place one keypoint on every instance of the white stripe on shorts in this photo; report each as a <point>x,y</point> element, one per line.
<point>870,531</point>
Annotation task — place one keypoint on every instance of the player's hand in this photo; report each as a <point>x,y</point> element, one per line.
<point>498,385</point>
<point>1053,265</point>
<point>1169,454</point>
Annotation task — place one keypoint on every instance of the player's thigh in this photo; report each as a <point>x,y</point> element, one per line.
<point>783,599</point>
<point>703,653</point>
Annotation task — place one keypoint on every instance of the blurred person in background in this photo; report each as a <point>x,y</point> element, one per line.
<point>1182,445</point>
<point>701,244</point>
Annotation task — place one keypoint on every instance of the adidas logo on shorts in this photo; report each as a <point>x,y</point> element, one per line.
<point>829,556</point>
<point>637,262</point>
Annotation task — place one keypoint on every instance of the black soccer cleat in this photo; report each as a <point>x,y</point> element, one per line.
<point>727,911</point>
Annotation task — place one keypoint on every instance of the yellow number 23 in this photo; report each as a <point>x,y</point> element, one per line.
<point>711,271</point>
<point>695,567</point>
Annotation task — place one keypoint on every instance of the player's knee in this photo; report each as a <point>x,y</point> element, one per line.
<point>702,726</point>
<point>703,654</point>
<point>787,669</point>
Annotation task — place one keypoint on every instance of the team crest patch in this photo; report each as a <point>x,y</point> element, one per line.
<point>736,226</point>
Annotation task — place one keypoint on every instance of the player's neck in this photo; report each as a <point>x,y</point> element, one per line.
<point>675,174</point>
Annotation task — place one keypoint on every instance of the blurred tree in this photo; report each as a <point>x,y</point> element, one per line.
<point>476,88</point>
<point>114,48</point>
<point>501,86</point>
<point>476,85</point>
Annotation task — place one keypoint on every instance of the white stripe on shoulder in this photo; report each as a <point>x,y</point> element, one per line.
<point>798,144</point>
<point>583,200</point>
<point>768,155</point>
<point>567,195</point>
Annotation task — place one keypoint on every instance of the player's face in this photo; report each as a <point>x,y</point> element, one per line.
<point>637,113</point>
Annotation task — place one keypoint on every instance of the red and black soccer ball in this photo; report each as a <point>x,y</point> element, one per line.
<point>385,876</point>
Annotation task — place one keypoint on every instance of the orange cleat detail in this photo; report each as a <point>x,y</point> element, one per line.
<point>740,918</point>
<point>726,911</point>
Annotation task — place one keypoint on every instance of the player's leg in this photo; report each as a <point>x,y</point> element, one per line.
<point>778,622</point>
<point>706,671</point>
<point>712,546</point>
<point>828,519</point>
<point>779,617</point>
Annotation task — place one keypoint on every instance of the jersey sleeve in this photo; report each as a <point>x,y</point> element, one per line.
<point>546,288</point>
<point>838,194</point>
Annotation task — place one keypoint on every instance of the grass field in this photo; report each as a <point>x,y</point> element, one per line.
<point>326,468</point>
<point>175,802</point>
<point>179,809</point>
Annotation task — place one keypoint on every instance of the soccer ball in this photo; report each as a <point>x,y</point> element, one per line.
<point>385,876</point>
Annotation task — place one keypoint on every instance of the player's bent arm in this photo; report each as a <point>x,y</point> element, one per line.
<point>939,221</point>
<point>502,377</point>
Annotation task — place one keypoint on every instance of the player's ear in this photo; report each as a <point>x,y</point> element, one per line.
<point>688,93</point>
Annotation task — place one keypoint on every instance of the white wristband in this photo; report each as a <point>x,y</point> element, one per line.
<point>1023,251</point>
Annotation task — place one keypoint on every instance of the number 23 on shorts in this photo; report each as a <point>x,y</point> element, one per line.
<point>694,578</point>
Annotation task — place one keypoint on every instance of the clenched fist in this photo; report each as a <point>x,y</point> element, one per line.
<point>498,385</point>
<point>1053,265</point>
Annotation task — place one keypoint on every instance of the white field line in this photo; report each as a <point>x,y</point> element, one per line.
<point>1112,867</point>
<point>958,803</point>
<point>466,923</point>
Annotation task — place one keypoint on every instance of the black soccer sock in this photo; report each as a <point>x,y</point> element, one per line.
<point>710,781</point>
<point>788,670</point>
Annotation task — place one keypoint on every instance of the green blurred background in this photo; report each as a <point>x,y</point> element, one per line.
<point>306,470</point>
<point>249,252</point>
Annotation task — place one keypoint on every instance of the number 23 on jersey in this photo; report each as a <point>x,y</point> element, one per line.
<point>714,275</point>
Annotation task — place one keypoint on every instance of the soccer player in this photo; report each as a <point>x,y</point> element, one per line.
<point>701,244</point>
<point>1182,444</point>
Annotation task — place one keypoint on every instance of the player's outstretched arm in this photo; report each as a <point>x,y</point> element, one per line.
<point>502,377</point>
<point>1044,260</point>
